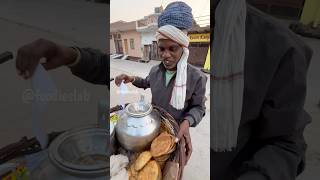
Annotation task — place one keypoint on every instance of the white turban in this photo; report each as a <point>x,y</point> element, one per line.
<point>228,67</point>
<point>179,90</point>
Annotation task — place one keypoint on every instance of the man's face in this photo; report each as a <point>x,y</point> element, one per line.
<point>170,53</point>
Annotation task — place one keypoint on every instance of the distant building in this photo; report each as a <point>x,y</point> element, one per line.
<point>137,39</point>
<point>147,28</point>
<point>124,39</point>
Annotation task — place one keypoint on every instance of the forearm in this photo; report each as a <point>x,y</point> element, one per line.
<point>282,120</point>
<point>197,107</point>
<point>279,158</point>
<point>92,67</point>
<point>141,82</point>
<point>195,115</point>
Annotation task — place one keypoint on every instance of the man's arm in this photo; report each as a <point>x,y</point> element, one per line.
<point>282,122</point>
<point>197,107</point>
<point>92,67</point>
<point>141,82</point>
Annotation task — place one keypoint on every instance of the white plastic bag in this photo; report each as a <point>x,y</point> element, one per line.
<point>43,89</point>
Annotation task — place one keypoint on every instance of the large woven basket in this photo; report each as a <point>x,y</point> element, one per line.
<point>172,127</point>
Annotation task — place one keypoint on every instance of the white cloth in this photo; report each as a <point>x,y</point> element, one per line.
<point>179,90</point>
<point>118,164</point>
<point>122,175</point>
<point>228,65</point>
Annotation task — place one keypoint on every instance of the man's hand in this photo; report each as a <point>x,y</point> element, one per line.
<point>28,56</point>
<point>123,77</point>
<point>184,133</point>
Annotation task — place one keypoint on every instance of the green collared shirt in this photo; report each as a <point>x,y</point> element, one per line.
<point>169,75</point>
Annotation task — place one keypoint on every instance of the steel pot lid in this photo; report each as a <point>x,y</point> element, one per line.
<point>139,109</point>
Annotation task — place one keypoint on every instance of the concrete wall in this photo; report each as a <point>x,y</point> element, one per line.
<point>311,12</point>
<point>137,52</point>
<point>147,38</point>
<point>112,46</point>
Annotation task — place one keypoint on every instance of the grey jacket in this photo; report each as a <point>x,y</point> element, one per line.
<point>270,138</point>
<point>93,67</point>
<point>194,108</point>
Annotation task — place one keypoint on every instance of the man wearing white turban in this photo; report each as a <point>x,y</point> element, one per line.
<point>176,86</point>
<point>258,91</point>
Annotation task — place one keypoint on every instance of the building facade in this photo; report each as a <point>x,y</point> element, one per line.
<point>137,39</point>
<point>199,45</point>
<point>147,28</point>
<point>124,39</point>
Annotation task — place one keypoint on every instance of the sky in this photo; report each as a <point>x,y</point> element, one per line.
<point>131,10</point>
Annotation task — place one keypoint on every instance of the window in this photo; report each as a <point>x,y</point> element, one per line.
<point>132,43</point>
<point>110,36</point>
